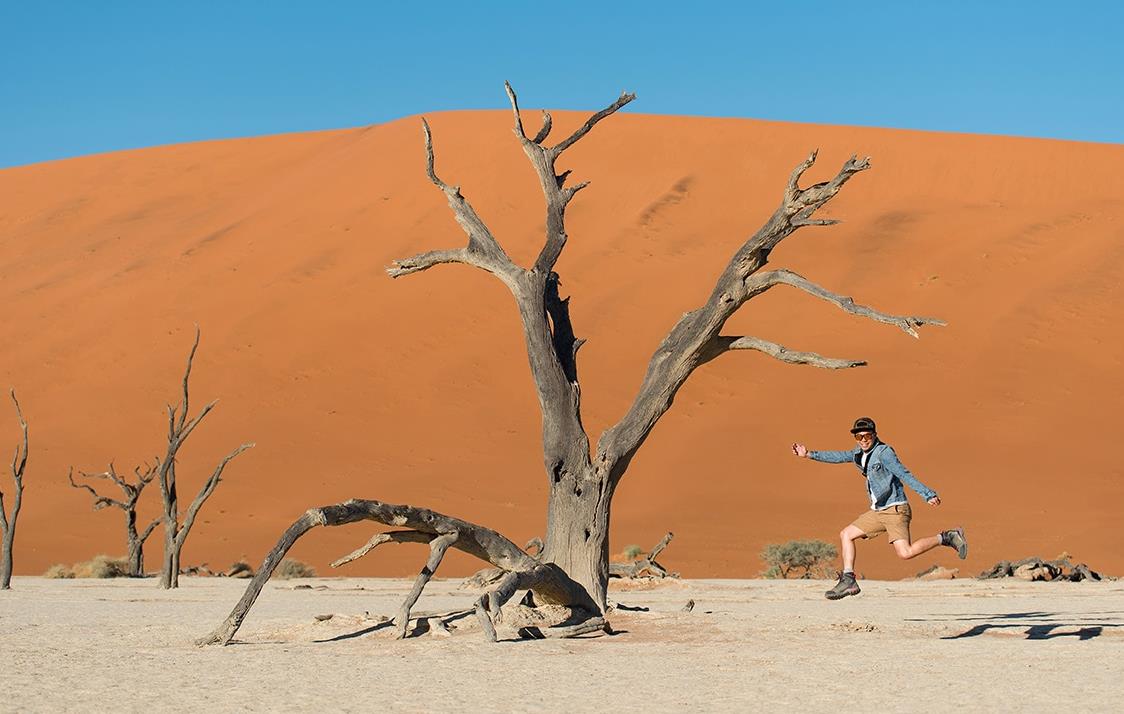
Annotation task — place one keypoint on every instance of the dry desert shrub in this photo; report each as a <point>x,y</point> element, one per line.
<point>798,558</point>
<point>102,566</point>
<point>632,552</point>
<point>59,571</point>
<point>290,568</point>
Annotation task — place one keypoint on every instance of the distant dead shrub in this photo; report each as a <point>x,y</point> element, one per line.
<point>290,568</point>
<point>798,558</point>
<point>102,566</point>
<point>59,571</point>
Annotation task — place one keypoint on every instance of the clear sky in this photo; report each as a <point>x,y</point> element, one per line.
<point>88,76</point>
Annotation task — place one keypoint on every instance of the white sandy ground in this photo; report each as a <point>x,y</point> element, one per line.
<point>102,645</point>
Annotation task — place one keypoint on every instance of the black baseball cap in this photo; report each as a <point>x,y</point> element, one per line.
<point>863,424</point>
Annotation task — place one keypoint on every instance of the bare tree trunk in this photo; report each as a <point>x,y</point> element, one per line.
<point>8,523</point>
<point>179,428</point>
<point>6,560</point>
<point>577,533</point>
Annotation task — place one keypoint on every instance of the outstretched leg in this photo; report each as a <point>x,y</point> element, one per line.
<point>847,538</point>
<point>907,550</point>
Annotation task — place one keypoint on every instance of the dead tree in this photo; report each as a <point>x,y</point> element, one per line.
<point>179,428</point>
<point>8,522</point>
<point>582,482</point>
<point>134,541</point>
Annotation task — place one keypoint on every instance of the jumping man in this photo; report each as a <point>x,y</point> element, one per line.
<point>889,510</point>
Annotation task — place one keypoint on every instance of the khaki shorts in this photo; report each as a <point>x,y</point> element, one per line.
<point>893,521</point>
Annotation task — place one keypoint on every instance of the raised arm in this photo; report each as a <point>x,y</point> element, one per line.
<point>906,476</point>
<point>827,457</point>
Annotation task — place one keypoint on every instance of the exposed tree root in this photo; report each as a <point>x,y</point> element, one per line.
<point>521,571</point>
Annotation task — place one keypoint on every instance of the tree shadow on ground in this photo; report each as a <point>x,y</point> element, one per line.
<point>1083,626</point>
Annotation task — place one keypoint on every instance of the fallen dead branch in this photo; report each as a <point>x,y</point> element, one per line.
<point>521,571</point>
<point>645,567</point>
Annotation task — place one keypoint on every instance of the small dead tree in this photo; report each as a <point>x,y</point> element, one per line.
<point>179,428</point>
<point>134,541</point>
<point>574,563</point>
<point>8,522</point>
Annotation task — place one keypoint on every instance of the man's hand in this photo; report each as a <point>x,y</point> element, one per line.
<point>934,501</point>
<point>800,450</point>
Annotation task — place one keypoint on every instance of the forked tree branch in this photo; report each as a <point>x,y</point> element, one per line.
<point>205,492</point>
<point>551,343</point>
<point>696,338</point>
<point>483,250</point>
<point>100,501</point>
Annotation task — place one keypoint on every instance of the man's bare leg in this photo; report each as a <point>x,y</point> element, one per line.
<point>847,584</point>
<point>847,538</point>
<point>907,550</point>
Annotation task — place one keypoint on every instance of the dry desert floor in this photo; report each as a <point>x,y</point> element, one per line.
<point>748,645</point>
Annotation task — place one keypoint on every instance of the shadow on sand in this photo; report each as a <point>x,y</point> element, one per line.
<point>1049,625</point>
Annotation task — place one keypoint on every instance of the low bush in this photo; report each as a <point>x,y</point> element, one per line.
<point>799,558</point>
<point>60,571</point>
<point>632,552</point>
<point>102,566</point>
<point>289,568</point>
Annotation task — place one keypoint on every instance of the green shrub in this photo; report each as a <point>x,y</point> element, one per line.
<point>632,552</point>
<point>799,558</point>
<point>290,568</point>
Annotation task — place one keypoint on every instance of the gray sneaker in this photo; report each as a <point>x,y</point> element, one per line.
<point>955,539</point>
<point>846,586</point>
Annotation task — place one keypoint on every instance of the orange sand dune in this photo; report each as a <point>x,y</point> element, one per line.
<point>418,390</point>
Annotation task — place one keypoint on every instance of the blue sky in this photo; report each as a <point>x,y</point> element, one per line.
<point>87,77</point>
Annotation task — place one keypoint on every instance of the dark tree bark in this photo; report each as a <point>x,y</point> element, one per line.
<point>582,481</point>
<point>8,522</point>
<point>134,540</point>
<point>179,428</point>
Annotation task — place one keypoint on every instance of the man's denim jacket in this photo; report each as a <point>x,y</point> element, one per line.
<point>885,473</point>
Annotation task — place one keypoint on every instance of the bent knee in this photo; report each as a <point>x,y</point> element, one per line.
<point>904,551</point>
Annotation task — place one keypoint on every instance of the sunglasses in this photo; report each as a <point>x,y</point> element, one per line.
<point>866,436</point>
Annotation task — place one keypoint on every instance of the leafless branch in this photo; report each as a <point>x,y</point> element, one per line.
<point>784,354</point>
<point>204,493</point>
<point>380,538</point>
<point>696,337</point>
<point>100,501</point>
<point>585,128</point>
<point>907,324</point>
